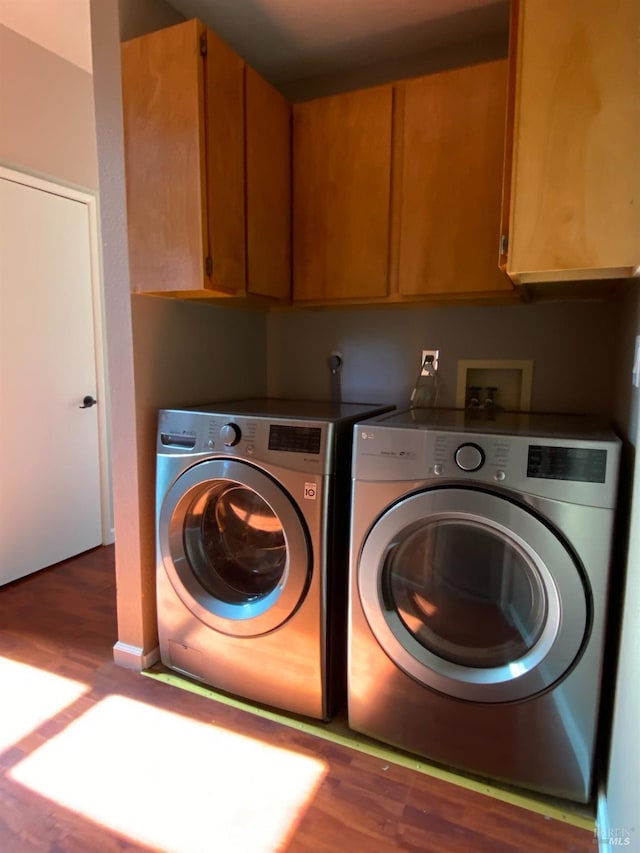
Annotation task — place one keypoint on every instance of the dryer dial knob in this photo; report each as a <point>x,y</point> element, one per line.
<point>469,457</point>
<point>230,435</point>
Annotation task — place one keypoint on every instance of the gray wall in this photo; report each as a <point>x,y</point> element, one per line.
<point>185,353</point>
<point>573,345</point>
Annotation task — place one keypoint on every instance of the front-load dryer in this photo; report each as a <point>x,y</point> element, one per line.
<point>252,514</point>
<point>479,568</point>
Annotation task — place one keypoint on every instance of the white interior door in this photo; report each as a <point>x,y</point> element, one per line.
<point>50,489</point>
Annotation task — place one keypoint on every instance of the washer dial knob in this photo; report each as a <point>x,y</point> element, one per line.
<point>469,457</point>
<point>230,434</point>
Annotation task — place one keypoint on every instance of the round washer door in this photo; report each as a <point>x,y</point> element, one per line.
<point>473,595</point>
<point>234,547</point>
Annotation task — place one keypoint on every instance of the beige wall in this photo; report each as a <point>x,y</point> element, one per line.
<point>47,113</point>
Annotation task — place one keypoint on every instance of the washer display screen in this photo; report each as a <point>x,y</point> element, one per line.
<point>581,464</point>
<point>295,439</point>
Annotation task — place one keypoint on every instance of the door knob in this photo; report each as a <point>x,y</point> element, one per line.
<point>87,402</point>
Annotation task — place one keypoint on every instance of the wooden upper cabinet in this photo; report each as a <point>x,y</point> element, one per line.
<point>268,146</point>
<point>223,137</point>
<point>197,188</point>
<point>574,185</point>
<point>165,163</point>
<point>341,197</point>
<point>449,149</point>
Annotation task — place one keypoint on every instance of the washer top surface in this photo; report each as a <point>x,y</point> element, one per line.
<point>531,424</point>
<point>308,410</point>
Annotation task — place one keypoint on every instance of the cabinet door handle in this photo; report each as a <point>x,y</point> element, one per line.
<point>88,402</point>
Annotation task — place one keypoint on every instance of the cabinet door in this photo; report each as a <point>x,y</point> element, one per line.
<point>224,135</point>
<point>575,180</point>
<point>342,172</point>
<point>447,195</point>
<point>268,130</point>
<point>164,157</point>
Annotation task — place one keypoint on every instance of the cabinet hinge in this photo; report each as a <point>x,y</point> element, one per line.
<point>203,44</point>
<point>504,244</point>
<point>208,265</point>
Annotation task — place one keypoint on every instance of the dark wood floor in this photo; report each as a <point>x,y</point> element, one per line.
<point>64,789</point>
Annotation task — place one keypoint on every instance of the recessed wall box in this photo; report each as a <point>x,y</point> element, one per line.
<point>494,382</point>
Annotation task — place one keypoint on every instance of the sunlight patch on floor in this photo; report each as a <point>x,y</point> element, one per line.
<point>167,781</point>
<point>30,697</point>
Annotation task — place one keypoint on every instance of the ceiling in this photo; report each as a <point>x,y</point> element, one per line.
<point>304,47</point>
<point>296,40</point>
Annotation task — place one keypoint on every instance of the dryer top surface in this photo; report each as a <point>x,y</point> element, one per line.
<point>488,421</point>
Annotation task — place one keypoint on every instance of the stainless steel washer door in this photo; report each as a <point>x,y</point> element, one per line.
<point>234,547</point>
<point>473,595</point>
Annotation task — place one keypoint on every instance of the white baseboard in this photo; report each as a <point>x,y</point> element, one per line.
<point>133,657</point>
<point>602,822</point>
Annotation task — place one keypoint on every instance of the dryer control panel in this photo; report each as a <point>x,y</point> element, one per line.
<point>575,470</point>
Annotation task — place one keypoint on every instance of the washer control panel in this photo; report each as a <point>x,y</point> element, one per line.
<point>300,445</point>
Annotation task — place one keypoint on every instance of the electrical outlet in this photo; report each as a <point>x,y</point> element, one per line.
<point>436,358</point>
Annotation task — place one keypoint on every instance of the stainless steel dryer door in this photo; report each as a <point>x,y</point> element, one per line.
<point>234,547</point>
<point>473,595</point>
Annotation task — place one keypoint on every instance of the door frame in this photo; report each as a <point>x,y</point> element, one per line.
<point>90,200</point>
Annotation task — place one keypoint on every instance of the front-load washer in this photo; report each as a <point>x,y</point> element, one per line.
<point>479,564</point>
<point>252,515</point>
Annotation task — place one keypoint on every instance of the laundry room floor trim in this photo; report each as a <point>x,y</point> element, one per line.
<point>338,732</point>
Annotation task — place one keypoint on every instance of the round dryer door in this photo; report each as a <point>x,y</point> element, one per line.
<point>473,595</point>
<point>234,547</point>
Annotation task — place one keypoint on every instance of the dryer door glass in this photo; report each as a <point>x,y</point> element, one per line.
<point>465,593</point>
<point>234,542</point>
<point>472,594</point>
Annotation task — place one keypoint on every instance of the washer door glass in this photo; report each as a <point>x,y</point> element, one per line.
<point>235,543</point>
<point>234,546</point>
<point>473,595</point>
<point>466,593</point>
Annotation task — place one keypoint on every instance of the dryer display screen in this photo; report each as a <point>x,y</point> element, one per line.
<point>295,439</point>
<point>581,464</point>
